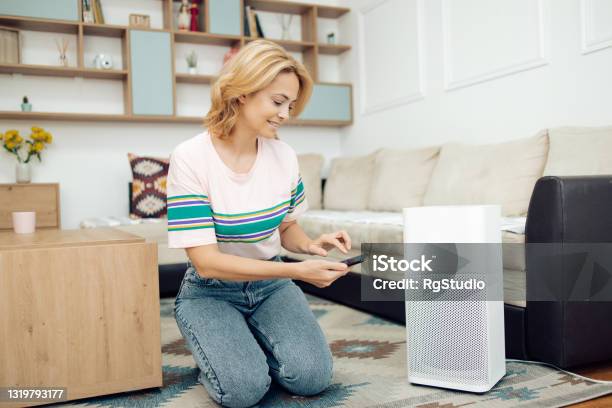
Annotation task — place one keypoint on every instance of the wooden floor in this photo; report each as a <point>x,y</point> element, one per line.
<point>597,372</point>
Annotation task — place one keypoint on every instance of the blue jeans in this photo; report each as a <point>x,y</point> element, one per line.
<point>243,334</point>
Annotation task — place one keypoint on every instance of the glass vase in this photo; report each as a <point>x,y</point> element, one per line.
<point>23,173</point>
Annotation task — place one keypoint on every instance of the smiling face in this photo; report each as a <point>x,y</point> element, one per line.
<point>266,110</point>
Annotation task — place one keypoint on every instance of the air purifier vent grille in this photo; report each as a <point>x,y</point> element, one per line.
<point>446,341</point>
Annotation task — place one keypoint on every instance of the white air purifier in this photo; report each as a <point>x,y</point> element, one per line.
<point>457,344</point>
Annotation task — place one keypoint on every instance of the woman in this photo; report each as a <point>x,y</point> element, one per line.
<point>234,193</point>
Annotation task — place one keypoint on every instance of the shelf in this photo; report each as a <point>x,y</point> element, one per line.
<point>58,71</point>
<point>331,12</point>
<point>105,30</point>
<point>86,117</point>
<point>194,78</point>
<point>40,24</point>
<point>205,38</point>
<point>278,7</point>
<point>93,117</point>
<point>333,49</point>
<point>289,45</point>
<point>66,27</point>
<point>331,123</point>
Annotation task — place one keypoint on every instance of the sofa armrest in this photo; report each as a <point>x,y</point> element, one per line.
<point>566,210</point>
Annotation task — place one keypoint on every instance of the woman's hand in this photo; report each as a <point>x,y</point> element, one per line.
<point>319,272</point>
<point>338,239</point>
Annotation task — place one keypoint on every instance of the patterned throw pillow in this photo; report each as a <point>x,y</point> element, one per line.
<point>148,186</point>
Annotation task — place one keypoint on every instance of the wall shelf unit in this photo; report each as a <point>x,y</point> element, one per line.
<point>149,74</point>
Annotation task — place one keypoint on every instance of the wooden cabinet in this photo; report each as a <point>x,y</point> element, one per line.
<point>79,309</point>
<point>329,102</point>
<point>225,17</point>
<point>55,10</point>
<point>151,66</point>
<point>43,198</point>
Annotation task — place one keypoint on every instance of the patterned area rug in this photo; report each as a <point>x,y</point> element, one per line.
<point>369,370</point>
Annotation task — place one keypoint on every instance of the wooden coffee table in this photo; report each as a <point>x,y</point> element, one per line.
<point>79,309</point>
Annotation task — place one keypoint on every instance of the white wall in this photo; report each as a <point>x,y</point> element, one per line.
<point>480,71</point>
<point>506,69</point>
<point>89,160</point>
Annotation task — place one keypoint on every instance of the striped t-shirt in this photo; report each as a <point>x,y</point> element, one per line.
<point>241,212</point>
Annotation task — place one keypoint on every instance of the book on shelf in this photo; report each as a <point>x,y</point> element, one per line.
<point>9,45</point>
<point>260,32</point>
<point>97,10</point>
<point>251,20</point>
<point>88,16</point>
<point>247,28</point>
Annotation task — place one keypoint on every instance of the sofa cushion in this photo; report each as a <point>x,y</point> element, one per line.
<point>502,173</point>
<point>515,287</point>
<point>579,151</point>
<point>349,182</point>
<point>148,186</point>
<point>310,170</point>
<point>401,177</point>
<point>362,226</point>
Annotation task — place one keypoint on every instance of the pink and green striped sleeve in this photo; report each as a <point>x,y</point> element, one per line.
<point>190,221</point>
<point>298,204</point>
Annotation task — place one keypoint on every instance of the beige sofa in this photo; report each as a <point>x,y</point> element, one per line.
<point>365,195</point>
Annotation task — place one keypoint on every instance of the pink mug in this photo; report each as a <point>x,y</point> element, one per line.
<point>24,222</point>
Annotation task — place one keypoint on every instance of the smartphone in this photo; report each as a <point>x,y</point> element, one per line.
<point>353,261</point>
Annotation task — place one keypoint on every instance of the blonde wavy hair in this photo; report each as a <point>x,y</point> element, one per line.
<point>252,69</point>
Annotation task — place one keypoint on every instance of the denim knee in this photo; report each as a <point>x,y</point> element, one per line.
<point>245,391</point>
<point>307,378</point>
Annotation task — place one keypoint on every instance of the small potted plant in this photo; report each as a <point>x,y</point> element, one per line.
<point>14,144</point>
<point>192,62</point>
<point>26,106</point>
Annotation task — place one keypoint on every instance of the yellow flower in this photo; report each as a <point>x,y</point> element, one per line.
<point>48,137</point>
<point>10,135</point>
<point>36,129</point>
<point>10,145</point>
<point>38,146</point>
<point>18,139</point>
<point>1,136</point>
